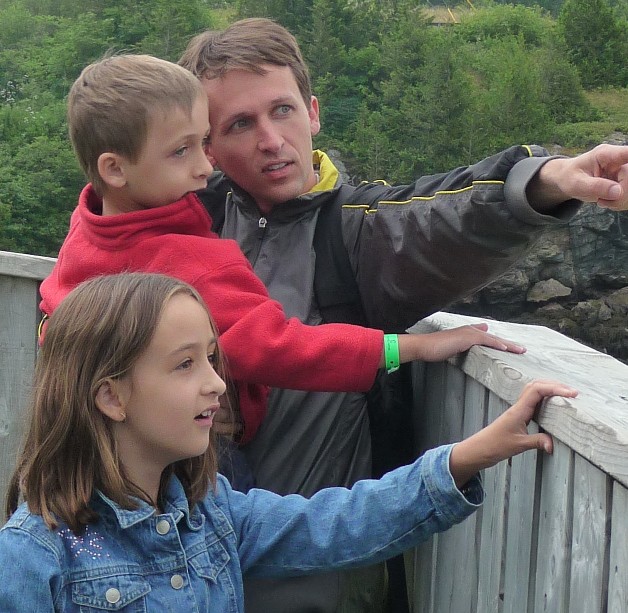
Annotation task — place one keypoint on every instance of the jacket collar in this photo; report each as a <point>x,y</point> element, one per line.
<point>329,180</point>
<point>185,216</point>
<point>175,504</point>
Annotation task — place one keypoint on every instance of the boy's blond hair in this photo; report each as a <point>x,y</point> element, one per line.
<point>247,44</point>
<point>113,100</point>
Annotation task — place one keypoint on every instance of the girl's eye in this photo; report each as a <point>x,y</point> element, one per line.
<point>212,358</point>
<point>180,152</point>
<point>185,365</point>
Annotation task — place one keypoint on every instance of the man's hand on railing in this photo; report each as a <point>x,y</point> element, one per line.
<point>507,435</point>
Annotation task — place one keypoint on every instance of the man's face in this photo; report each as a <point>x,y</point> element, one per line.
<point>261,133</point>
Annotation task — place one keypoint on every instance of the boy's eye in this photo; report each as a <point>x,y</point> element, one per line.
<point>180,152</point>
<point>284,109</point>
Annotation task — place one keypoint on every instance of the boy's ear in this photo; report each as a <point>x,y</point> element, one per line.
<point>111,399</point>
<point>111,169</point>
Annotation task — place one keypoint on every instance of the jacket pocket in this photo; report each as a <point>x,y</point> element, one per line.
<point>114,592</point>
<point>208,564</point>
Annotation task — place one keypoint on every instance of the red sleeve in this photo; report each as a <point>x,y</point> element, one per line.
<point>263,347</point>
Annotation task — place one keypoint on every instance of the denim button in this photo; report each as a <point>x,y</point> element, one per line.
<point>163,526</point>
<point>176,581</point>
<point>112,595</point>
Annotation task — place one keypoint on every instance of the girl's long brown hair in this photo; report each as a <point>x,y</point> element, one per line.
<point>98,331</point>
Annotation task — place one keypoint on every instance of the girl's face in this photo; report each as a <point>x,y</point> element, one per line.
<point>171,394</point>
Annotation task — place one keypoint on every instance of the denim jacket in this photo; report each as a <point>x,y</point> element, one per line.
<point>193,560</point>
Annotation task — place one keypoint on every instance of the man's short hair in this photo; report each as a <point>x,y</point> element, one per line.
<point>113,100</point>
<point>247,44</point>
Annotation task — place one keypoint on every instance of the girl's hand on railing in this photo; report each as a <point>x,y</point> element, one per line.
<point>507,435</point>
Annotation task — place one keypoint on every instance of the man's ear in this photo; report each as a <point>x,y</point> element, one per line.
<point>208,152</point>
<point>210,157</point>
<point>111,399</point>
<point>313,112</point>
<point>111,169</point>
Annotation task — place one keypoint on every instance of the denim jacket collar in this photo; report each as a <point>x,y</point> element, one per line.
<point>175,504</point>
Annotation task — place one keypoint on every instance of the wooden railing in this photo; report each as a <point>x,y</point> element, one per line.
<point>20,276</point>
<point>552,535</point>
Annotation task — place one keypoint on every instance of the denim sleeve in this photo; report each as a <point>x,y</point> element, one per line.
<point>28,572</point>
<point>342,528</point>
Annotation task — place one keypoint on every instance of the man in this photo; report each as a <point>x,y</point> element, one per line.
<point>377,254</point>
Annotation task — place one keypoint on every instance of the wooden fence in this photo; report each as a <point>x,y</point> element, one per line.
<point>20,276</point>
<point>552,535</point>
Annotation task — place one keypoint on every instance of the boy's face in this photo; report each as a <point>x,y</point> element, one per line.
<point>172,163</point>
<point>261,135</point>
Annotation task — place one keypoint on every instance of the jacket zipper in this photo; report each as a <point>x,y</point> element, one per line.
<point>261,224</point>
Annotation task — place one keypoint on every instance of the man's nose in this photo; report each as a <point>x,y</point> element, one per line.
<point>269,137</point>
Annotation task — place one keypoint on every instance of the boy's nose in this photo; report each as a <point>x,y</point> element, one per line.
<point>204,167</point>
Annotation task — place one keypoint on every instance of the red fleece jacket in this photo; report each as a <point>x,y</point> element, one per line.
<point>261,346</point>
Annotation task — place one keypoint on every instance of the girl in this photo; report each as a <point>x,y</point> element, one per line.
<point>123,509</point>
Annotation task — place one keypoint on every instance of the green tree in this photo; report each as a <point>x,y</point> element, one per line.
<point>38,192</point>
<point>454,95</point>
<point>39,178</point>
<point>597,41</point>
<point>296,15</point>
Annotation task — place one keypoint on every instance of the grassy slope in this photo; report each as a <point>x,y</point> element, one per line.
<point>612,105</point>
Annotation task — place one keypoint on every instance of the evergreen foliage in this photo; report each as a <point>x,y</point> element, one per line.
<point>44,44</point>
<point>399,96</point>
<point>597,38</point>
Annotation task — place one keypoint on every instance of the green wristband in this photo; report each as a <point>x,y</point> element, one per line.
<point>391,352</point>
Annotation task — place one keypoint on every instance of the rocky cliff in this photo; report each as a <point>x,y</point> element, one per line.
<point>575,280</point>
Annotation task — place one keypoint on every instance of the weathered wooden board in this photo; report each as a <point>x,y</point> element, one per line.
<point>594,425</point>
<point>618,564</point>
<point>25,266</point>
<point>555,525</point>
<point>18,346</point>
<point>590,538</point>
<point>493,526</point>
